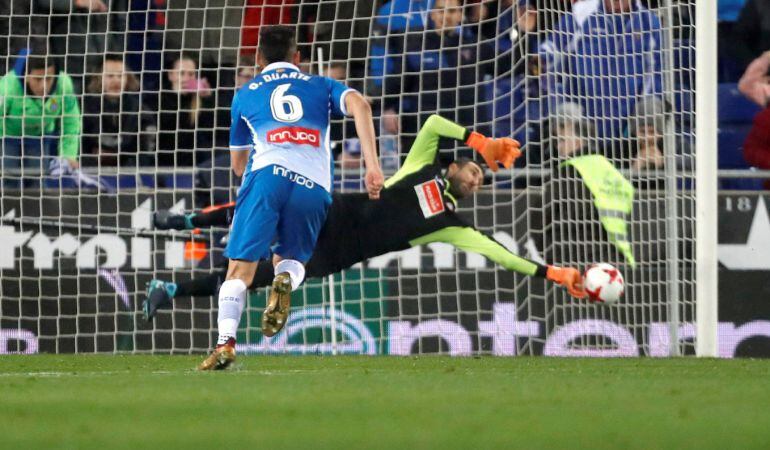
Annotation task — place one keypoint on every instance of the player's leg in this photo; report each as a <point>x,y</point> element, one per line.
<point>161,294</point>
<point>232,299</point>
<point>254,228</point>
<point>263,276</point>
<point>301,220</point>
<point>278,303</point>
<point>217,215</point>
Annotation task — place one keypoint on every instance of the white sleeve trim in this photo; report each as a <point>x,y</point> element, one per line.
<point>240,147</point>
<point>344,108</point>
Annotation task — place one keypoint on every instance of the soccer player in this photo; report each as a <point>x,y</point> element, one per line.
<point>279,143</point>
<point>416,207</point>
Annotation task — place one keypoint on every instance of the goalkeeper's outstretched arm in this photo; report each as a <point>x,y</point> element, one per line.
<point>425,148</point>
<point>472,240</point>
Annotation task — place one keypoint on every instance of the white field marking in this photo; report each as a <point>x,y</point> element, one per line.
<point>77,374</point>
<point>234,370</point>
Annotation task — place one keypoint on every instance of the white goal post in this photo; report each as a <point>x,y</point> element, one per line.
<point>706,171</point>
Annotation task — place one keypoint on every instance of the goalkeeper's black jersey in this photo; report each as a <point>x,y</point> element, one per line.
<point>357,228</point>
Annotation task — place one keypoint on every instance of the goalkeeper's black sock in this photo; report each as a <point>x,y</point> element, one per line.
<point>206,286</point>
<point>166,220</point>
<point>212,217</point>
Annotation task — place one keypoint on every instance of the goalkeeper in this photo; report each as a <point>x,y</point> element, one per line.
<point>416,207</point>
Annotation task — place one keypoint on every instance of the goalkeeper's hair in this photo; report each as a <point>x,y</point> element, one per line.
<point>277,43</point>
<point>464,161</point>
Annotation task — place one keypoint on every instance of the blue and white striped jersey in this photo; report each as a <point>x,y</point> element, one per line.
<point>282,117</point>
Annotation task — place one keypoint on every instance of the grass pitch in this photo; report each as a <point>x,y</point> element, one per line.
<point>383,402</point>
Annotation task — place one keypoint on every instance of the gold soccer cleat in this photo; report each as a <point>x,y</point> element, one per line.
<point>277,311</point>
<point>220,358</point>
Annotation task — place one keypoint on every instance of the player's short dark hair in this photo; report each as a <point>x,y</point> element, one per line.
<point>277,43</point>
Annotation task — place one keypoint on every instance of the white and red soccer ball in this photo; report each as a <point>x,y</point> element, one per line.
<point>603,283</point>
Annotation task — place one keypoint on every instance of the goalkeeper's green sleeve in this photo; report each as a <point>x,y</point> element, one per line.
<point>472,240</point>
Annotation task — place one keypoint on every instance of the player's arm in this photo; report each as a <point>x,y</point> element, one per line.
<point>240,139</point>
<point>238,159</point>
<point>425,147</point>
<point>472,240</point>
<point>359,108</point>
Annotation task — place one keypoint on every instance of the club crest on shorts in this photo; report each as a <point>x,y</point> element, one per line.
<point>431,200</point>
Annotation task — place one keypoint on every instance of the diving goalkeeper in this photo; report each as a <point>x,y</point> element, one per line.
<point>416,207</point>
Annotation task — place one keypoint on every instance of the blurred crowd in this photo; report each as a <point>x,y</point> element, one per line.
<point>148,83</point>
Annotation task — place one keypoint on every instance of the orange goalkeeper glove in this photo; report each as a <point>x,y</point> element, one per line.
<point>569,278</point>
<point>502,150</point>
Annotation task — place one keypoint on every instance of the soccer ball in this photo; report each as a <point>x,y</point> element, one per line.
<point>603,283</point>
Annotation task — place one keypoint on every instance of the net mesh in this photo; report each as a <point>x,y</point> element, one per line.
<point>145,106</point>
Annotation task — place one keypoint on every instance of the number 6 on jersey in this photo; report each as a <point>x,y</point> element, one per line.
<point>286,108</point>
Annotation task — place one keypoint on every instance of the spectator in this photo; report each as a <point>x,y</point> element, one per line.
<point>646,128</point>
<point>81,30</point>
<point>604,55</point>
<point>752,31</point>
<point>39,113</point>
<point>186,112</point>
<point>755,85</point>
<point>116,126</point>
<point>441,73</point>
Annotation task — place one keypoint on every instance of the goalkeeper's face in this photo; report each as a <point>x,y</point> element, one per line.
<point>464,179</point>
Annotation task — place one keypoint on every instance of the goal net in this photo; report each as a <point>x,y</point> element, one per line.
<point>140,123</point>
